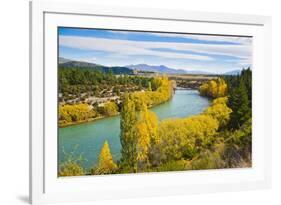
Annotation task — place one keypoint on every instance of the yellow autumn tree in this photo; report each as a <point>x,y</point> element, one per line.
<point>214,88</point>
<point>183,138</point>
<point>219,110</point>
<point>109,109</point>
<point>71,168</point>
<point>221,88</point>
<point>106,164</point>
<point>75,113</point>
<point>147,128</point>
<point>162,92</point>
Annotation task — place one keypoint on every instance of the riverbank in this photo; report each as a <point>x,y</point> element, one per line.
<point>90,136</point>
<point>100,117</point>
<point>82,112</point>
<point>85,121</point>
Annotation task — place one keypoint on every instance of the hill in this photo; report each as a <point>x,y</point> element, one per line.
<point>233,72</point>
<point>165,69</point>
<point>117,70</point>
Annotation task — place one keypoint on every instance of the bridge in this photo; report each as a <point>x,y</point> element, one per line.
<point>189,81</point>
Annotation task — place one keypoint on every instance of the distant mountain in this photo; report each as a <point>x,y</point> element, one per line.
<point>165,69</point>
<point>63,60</point>
<point>66,63</point>
<point>157,69</point>
<point>129,69</point>
<point>233,72</point>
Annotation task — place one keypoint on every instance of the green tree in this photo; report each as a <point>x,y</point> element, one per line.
<point>246,75</point>
<point>240,106</point>
<point>149,86</point>
<point>128,136</point>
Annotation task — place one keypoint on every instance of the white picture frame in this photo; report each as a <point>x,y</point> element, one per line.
<point>46,187</point>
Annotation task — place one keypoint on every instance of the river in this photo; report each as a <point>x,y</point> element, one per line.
<point>88,138</point>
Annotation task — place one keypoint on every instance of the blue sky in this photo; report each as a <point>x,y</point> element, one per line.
<point>210,53</point>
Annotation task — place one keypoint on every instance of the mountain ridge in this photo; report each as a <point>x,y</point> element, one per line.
<point>129,69</point>
<point>67,63</point>
<point>165,69</point>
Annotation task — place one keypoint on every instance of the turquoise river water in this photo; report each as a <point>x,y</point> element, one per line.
<point>88,138</point>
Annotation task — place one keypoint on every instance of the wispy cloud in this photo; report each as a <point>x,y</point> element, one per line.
<point>125,47</point>
<point>201,37</point>
<point>210,38</point>
<point>184,51</point>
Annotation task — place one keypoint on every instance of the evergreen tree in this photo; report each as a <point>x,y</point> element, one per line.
<point>246,75</point>
<point>106,164</point>
<point>128,136</point>
<point>239,103</point>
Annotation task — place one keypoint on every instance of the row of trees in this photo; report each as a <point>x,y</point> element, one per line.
<point>150,145</point>
<point>69,114</point>
<point>139,131</point>
<point>75,81</point>
<point>235,147</point>
<point>240,98</point>
<point>219,137</point>
<point>82,112</point>
<point>159,90</point>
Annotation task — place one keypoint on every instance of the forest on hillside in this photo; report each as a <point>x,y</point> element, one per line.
<point>88,94</point>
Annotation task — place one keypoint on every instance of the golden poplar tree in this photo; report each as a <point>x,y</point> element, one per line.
<point>147,128</point>
<point>128,135</point>
<point>222,88</point>
<point>106,164</point>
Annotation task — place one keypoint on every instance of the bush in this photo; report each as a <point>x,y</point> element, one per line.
<point>214,88</point>
<point>219,111</point>
<point>75,113</point>
<point>72,164</point>
<point>71,169</point>
<point>109,109</point>
<point>179,165</point>
<point>184,138</point>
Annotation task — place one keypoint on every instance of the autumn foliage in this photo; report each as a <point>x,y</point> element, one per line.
<point>214,88</point>
<point>106,164</point>
<point>69,114</point>
<point>219,137</point>
<point>162,92</point>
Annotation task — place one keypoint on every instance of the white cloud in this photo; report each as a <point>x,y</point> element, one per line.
<point>123,52</point>
<point>215,38</point>
<point>202,37</point>
<point>127,47</point>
